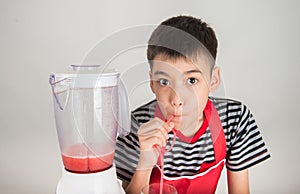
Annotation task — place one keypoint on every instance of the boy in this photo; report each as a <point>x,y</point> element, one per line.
<point>208,131</point>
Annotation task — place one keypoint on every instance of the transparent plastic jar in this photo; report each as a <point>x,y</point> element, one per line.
<point>91,107</point>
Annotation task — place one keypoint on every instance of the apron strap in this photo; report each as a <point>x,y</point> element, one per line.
<point>216,130</point>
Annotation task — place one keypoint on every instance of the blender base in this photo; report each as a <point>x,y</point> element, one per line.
<point>93,183</point>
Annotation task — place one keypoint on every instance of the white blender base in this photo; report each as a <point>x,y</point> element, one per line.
<point>93,183</point>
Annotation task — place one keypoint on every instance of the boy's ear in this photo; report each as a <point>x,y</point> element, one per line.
<point>215,79</point>
<point>151,81</point>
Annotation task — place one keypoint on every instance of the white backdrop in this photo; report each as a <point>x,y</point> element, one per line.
<point>258,54</point>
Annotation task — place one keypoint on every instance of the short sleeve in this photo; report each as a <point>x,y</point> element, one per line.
<point>247,147</point>
<point>127,153</point>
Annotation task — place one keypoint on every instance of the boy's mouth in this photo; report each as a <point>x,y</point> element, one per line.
<point>178,115</point>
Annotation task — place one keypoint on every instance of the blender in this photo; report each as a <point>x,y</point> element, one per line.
<point>91,109</point>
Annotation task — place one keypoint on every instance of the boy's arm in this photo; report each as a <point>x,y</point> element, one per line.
<point>141,176</point>
<point>154,132</point>
<point>139,180</point>
<point>238,182</point>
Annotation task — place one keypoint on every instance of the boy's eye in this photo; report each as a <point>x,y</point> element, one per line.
<point>191,81</point>
<point>163,82</point>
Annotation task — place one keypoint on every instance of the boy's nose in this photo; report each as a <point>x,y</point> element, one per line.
<point>176,100</point>
<point>177,103</point>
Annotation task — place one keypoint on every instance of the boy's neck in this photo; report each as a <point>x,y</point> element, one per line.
<point>191,131</point>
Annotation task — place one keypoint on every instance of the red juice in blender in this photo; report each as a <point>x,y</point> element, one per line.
<point>79,158</point>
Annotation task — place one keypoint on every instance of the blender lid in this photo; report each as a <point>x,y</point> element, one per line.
<point>86,76</point>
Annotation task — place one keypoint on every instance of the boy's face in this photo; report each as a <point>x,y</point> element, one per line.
<point>182,90</point>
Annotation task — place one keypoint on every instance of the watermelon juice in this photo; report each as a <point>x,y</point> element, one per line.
<point>79,158</point>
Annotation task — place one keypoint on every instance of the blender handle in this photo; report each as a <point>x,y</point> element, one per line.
<point>124,121</point>
<point>53,83</point>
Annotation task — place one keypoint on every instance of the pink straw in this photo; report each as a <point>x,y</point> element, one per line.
<point>162,152</point>
<point>169,119</point>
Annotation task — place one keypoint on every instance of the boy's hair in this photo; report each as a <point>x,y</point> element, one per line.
<point>182,36</point>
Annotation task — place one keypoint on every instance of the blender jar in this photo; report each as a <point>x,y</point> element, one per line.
<point>88,112</point>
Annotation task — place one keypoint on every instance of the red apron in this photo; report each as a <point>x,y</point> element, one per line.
<point>207,179</point>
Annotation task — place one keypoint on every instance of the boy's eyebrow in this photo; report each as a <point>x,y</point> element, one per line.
<point>193,71</point>
<point>187,72</point>
<point>161,73</point>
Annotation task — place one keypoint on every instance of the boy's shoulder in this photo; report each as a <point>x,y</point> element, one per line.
<point>148,105</point>
<point>226,103</point>
<point>224,100</point>
<point>144,112</point>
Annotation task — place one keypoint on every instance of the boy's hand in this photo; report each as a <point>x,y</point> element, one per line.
<point>154,132</point>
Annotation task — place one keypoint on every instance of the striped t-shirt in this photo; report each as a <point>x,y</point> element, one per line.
<point>244,143</point>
